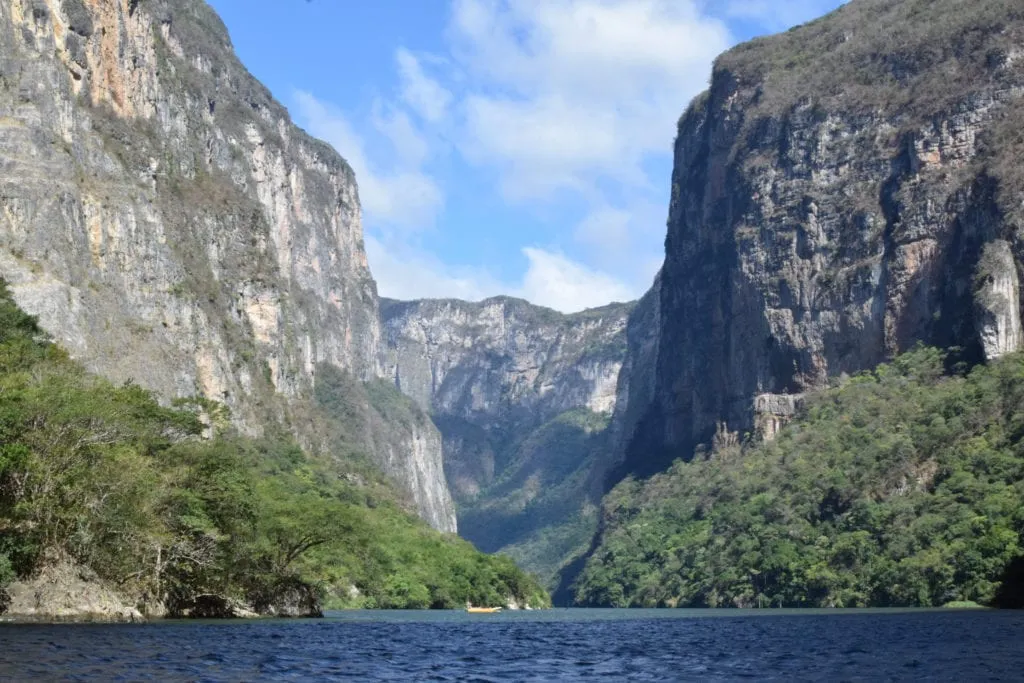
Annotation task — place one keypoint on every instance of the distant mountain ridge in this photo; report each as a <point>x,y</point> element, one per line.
<point>522,395</point>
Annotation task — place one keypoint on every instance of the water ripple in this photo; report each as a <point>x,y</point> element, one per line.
<point>562,645</point>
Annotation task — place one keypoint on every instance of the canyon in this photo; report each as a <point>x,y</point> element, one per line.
<point>841,193</point>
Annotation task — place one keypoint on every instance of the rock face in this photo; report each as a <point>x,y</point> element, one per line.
<point>637,380</point>
<point>503,355</point>
<point>408,448</point>
<point>65,592</point>
<point>521,395</point>
<point>167,222</point>
<point>997,301</point>
<point>842,192</point>
<point>500,365</point>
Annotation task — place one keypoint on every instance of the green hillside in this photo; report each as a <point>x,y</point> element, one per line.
<point>544,505</point>
<point>105,477</point>
<point>903,487</point>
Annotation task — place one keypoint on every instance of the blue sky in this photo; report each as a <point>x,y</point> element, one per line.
<point>517,147</point>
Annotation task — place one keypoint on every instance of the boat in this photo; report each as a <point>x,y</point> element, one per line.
<point>483,610</point>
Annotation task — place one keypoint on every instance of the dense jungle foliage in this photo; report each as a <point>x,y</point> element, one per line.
<point>904,486</point>
<point>168,504</point>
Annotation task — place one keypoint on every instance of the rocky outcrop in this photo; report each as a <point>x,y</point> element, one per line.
<point>521,395</point>
<point>290,599</point>
<point>997,301</point>
<point>842,192</point>
<point>773,411</point>
<point>166,221</point>
<point>212,606</point>
<point>66,592</point>
<point>408,448</point>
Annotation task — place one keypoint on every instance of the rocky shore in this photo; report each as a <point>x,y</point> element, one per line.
<point>69,593</point>
<point>66,593</point>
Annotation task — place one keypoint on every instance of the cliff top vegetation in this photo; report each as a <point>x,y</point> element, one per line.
<point>918,55</point>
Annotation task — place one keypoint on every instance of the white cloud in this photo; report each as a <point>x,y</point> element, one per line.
<point>567,91</point>
<point>425,95</point>
<point>627,241</point>
<point>402,196</point>
<point>551,279</point>
<point>557,282</point>
<point>403,272</point>
<point>571,105</point>
<point>605,230</point>
<point>410,147</point>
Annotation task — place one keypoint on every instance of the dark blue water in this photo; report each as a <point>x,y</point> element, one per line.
<point>562,645</point>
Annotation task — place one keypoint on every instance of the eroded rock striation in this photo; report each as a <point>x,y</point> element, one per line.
<point>169,225</point>
<point>841,192</point>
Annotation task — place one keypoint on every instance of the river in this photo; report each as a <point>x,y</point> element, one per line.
<point>554,645</point>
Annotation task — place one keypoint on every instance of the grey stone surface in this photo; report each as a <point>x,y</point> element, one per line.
<point>500,366</point>
<point>66,592</point>
<point>842,192</point>
<point>521,395</point>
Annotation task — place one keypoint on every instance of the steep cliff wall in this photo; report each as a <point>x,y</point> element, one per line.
<point>522,396</point>
<point>504,355</point>
<point>168,223</point>
<point>635,391</point>
<point>842,192</point>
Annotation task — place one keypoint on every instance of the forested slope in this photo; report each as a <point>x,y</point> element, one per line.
<point>904,486</point>
<point>181,515</point>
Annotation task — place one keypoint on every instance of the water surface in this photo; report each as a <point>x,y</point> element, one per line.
<point>564,645</point>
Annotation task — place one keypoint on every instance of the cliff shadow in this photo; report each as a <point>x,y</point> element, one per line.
<point>563,594</point>
<point>1010,594</point>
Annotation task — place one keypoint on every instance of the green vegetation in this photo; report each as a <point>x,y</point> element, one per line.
<point>107,478</point>
<point>544,505</point>
<point>903,487</point>
<point>916,56</point>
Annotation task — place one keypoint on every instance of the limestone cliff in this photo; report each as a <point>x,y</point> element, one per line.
<point>522,396</point>
<point>637,379</point>
<point>169,225</point>
<point>841,192</point>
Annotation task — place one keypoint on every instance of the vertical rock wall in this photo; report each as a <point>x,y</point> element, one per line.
<point>494,370</point>
<point>842,192</point>
<point>522,395</point>
<point>168,223</point>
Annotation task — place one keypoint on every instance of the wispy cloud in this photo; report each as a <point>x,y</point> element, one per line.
<point>564,93</point>
<point>605,230</point>
<point>402,195</point>
<point>422,93</point>
<point>570,106</point>
<point>406,271</point>
<point>558,282</point>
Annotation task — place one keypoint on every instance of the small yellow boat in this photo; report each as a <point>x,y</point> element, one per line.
<point>483,610</point>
